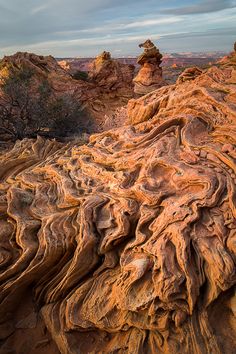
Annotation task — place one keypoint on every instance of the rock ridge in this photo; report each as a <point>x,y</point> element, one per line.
<point>127,244</point>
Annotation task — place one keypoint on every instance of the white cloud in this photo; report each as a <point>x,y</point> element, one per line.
<point>153,22</point>
<point>137,24</point>
<point>87,42</point>
<point>59,26</point>
<point>39,8</point>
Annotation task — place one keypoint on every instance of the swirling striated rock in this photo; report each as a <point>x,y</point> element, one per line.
<point>211,93</point>
<point>127,244</point>
<point>149,77</point>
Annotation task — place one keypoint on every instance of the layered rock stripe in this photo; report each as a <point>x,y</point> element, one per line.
<point>127,244</point>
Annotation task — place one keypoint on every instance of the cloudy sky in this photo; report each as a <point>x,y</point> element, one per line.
<point>83,28</point>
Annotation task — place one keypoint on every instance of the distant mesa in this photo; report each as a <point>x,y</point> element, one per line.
<point>149,77</point>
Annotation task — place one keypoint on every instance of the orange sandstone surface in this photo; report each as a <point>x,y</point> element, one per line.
<point>109,86</point>
<point>149,77</point>
<point>127,244</point>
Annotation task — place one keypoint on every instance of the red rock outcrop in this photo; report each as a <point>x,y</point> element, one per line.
<point>112,75</point>
<point>65,65</point>
<point>48,68</point>
<point>37,63</point>
<point>211,92</point>
<point>110,89</point>
<point>149,77</point>
<point>42,67</point>
<point>127,244</point>
<point>189,74</point>
<point>229,60</point>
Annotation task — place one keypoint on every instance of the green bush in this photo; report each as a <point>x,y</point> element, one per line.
<point>29,108</point>
<point>80,75</point>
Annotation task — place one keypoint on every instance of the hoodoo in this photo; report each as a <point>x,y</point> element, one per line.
<point>149,77</point>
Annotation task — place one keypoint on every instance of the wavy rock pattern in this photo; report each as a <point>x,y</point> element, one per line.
<point>128,244</point>
<point>210,95</point>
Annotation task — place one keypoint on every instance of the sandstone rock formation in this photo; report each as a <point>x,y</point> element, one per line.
<point>42,67</point>
<point>38,63</point>
<point>116,119</point>
<point>64,65</point>
<point>45,68</point>
<point>111,75</point>
<point>112,89</point>
<point>149,77</point>
<point>192,92</point>
<point>127,244</point>
<point>189,74</point>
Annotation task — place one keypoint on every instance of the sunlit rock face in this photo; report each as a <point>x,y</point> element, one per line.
<point>208,94</point>
<point>127,244</point>
<point>149,77</point>
<point>112,75</point>
<point>189,74</point>
<point>109,86</point>
<point>43,67</point>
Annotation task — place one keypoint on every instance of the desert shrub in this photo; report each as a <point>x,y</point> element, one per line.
<point>80,75</point>
<point>29,108</point>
